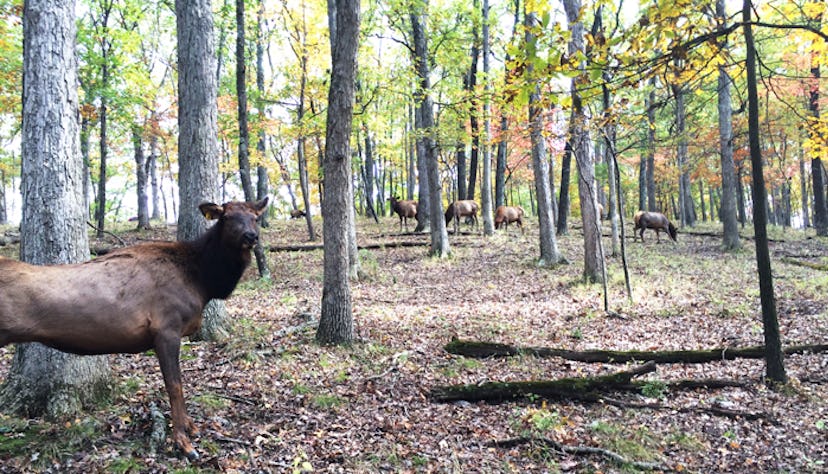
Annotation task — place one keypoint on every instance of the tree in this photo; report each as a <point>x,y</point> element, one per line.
<point>53,229</point>
<point>336,322</point>
<point>244,134</point>
<point>424,124</point>
<point>486,185</point>
<point>549,255</point>
<point>197,146</point>
<point>775,368</point>
<point>730,240</point>
<point>583,151</point>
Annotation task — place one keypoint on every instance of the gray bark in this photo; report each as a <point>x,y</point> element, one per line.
<point>140,177</point>
<point>549,254</point>
<point>486,184</point>
<point>730,240</point>
<point>651,127</point>
<point>582,148</point>
<point>198,154</point>
<point>53,228</point>
<point>336,324</point>
<point>426,144</point>
<point>686,210</point>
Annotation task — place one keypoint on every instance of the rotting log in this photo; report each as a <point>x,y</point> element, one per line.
<point>479,349</point>
<point>565,388</point>
<point>804,263</point>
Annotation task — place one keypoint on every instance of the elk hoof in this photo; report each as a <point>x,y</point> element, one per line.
<point>192,455</point>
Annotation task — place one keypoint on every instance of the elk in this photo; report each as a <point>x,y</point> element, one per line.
<point>297,213</point>
<point>133,299</point>
<point>404,209</point>
<point>505,215</point>
<point>653,220</point>
<point>459,209</point>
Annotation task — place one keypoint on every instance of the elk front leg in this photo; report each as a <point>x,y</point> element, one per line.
<point>167,349</point>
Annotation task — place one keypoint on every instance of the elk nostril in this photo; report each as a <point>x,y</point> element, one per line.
<point>251,236</point>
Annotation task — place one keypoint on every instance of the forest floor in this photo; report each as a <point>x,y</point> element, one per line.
<point>269,400</point>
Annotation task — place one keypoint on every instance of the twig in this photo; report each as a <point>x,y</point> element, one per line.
<point>714,410</point>
<point>106,232</point>
<point>579,450</point>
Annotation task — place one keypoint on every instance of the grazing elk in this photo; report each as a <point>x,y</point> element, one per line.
<point>458,209</point>
<point>404,209</point>
<point>297,213</point>
<point>653,220</point>
<point>133,299</point>
<point>505,215</point>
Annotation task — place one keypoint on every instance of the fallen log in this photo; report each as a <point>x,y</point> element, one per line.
<point>804,263</point>
<point>566,388</point>
<point>478,349</point>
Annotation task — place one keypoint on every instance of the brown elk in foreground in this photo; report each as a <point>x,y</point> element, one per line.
<point>653,220</point>
<point>505,215</point>
<point>404,209</point>
<point>133,299</point>
<point>458,209</point>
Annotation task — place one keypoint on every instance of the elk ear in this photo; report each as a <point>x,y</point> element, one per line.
<point>260,207</point>
<point>211,211</point>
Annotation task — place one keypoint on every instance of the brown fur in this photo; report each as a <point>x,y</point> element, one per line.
<point>297,213</point>
<point>405,209</point>
<point>505,215</point>
<point>463,208</point>
<point>133,299</point>
<point>653,220</point>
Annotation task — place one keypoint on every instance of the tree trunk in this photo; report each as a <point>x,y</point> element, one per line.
<point>100,207</point>
<point>152,171</point>
<point>583,151</point>
<point>651,147</point>
<point>549,254</point>
<point>244,133</point>
<point>140,177</point>
<point>425,125</point>
<point>336,322</point>
<point>609,159</point>
<point>773,343</point>
<point>262,183</point>
<point>817,171</point>
<point>686,211</point>
<point>53,226</point>
<point>198,178</point>
<point>803,189</point>
<point>730,238</point>
<point>486,184</point>
<point>563,200</point>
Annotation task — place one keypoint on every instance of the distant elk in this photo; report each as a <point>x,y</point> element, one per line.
<point>653,220</point>
<point>297,213</point>
<point>133,299</point>
<point>464,208</point>
<point>405,209</point>
<point>505,215</point>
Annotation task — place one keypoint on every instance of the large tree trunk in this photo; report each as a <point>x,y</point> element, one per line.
<point>817,172</point>
<point>198,154</point>
<point>549,254</point>
<point>262,183</point>
<point>152,170</point>
<point>425,124</point>
<point>775,367</point>
<point>140,177</point>
<point>686,212</point>
<point>53,227</point>
<point>730,240</point>
<point>336,324</point>
<point>244,133</point>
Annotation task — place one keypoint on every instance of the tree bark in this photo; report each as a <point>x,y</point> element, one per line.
<point>651,146</point>
<point>775,368</point>
<point>198,154</point>
<point>244,132</point>
<point>730,238</point>
<point>577,387</point>
<point>336,321</point>
<point>53,226</point>
<point>426,144</point>
<point>140,177</point>
<point>549,254</point>
<point>486,184</point>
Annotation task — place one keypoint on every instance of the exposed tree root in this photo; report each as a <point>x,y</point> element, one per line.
<point>478,349</point>
<point>579,450</point>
